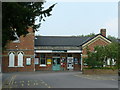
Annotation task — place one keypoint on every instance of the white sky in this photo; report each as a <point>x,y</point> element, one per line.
<point>77,18</point>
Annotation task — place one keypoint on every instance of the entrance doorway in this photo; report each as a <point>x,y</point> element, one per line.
<point>56,63</point>
<point>70,63</point>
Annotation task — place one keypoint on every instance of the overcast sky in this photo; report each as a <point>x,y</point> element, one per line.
<point>77,18</point>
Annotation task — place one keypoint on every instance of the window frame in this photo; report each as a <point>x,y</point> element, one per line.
<point>9,64</point>
<point>27,61</point>
<point>42,65</point>
<point>22,59</point>
<point>37,61</point>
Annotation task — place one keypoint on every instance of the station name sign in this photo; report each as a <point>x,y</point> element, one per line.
<point>59,50</point>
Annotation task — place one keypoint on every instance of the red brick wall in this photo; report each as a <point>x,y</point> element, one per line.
<point>26,45</point>
<point>46,68</point>
<point>91,46</point>
<point>49,67</point>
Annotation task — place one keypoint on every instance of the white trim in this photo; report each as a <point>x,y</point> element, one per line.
<point>74,51</point>
<point>11,59</point>
<point>28,61</point>
<point>43,65</point>
<point>108,61</point>
<point>43,51</point>
<point>20,59</point>
<point>50,51</point>
<point>19,66</point>
<point>15,66</point>
<point>11,66</point>
<point>97,37</point>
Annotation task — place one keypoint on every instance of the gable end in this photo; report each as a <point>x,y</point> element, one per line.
<point>107,41</point>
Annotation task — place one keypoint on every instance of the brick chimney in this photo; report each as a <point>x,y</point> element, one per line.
<point>103,32</point>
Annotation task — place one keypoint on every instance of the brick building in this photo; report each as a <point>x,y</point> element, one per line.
<point>19,54</point>
<point>55,53</point>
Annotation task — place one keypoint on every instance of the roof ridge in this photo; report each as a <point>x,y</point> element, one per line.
<point>63,36</point>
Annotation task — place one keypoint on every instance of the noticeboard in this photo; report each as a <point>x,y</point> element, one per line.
<point>76,60</point>
<point>49,61</point>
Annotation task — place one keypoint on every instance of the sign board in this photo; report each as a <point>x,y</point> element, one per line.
<point>70,63</point>
<point>59,50</point>
<point>49,61</point>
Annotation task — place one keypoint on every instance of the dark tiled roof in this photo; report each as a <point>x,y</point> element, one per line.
<point>60,40</point>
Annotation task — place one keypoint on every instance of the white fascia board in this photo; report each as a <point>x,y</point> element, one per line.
<point>50,51</point>
<point>43,51</point>
<point>74,51</point>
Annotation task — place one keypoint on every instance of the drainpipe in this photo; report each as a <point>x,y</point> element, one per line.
<point>81,62</point>
<point>34,59</point>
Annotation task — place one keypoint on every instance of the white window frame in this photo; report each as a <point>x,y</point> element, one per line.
<point>108,61</point>
<point>28,60</point>
<point>113,62</point>
<point>20,60</point>
<point>11,59</point>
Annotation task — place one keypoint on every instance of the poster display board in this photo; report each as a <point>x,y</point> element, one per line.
<point>49,60</point>
<point>36,60</point>
<point>69,63</point>
<point>75,60</point>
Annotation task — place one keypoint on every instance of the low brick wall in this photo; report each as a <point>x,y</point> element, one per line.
<point>100,71</point>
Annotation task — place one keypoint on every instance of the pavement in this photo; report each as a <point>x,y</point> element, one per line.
<point>99,77</point>
<point>72,79</point>
<point>0,80</point>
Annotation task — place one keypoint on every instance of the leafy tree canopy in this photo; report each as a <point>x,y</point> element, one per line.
<point>89,35</point>
<point>112,38</point>
<point>17,16</point>
<point>102,53</point>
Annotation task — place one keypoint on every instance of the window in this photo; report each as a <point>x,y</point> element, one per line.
<point>11,59</point>
<point>113,62</point>
<point>69,55</point>
<point>36,60</point>
<point>56,54</point>
<point>20,59</point>
<point>58,60</point>
<point>42,60</point>
<point>108,61</point>
<point>28,61</point>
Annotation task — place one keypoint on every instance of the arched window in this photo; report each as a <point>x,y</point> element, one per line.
<point>11,59</point>
<point>20,59</point>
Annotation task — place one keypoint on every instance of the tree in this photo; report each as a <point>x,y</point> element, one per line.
<point>101,53</point>
<point>118,57</point>
<point>112,38</point>
<point>89,35</point>
<point>18,16</point>
<point>94,58</point>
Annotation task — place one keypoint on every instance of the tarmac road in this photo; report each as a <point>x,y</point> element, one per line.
<point>58,80</point>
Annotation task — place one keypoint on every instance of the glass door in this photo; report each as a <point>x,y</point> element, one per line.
<point>56,64</point>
